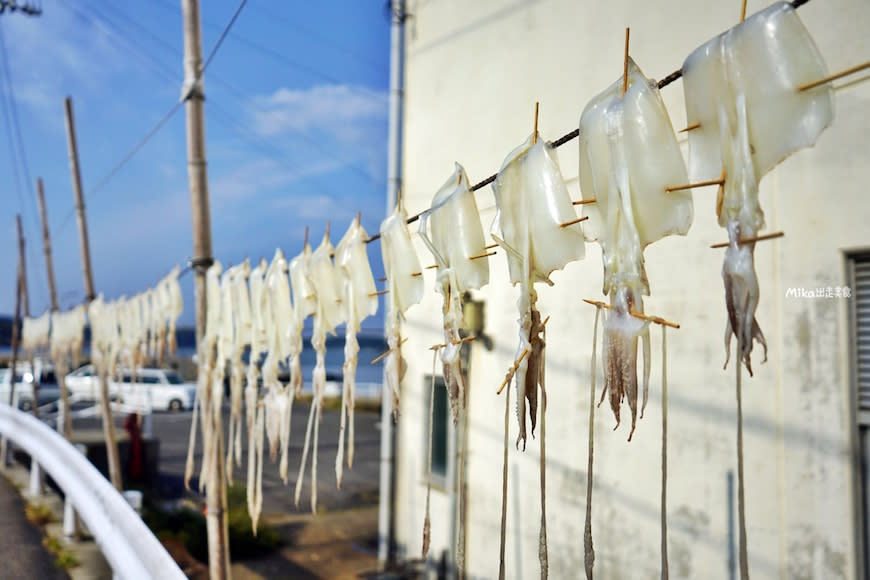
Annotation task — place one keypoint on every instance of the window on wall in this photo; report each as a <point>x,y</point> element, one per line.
<point>440,418</point>
<point>859,288</point>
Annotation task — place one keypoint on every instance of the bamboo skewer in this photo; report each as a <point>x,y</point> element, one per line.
<point>835,76</point>
<point>625,63</point>
<point>535,129</point>
<point>574,221</point>
<point>378,293</point>
<point>717,181</point>
<point>743,11</point>
<point>695,125</point>
<point>460,341</point>
<point>750,240</point>
<point>483,255</point>
<point>490,246</point>
<point>584,201</point>
<point>383,355</point>
<point>512,371</point>
<point>639,315</point>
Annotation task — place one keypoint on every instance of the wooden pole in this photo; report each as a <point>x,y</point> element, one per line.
<point>36,479</point>
<point>80,199</point>
<point>63,425</point>
<point>16,320</point>
<point>46,244</point>
<point>90,294</point>
<point>25,306</point>
<point>216,488</point>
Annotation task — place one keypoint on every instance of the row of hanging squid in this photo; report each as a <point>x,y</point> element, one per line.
<point>746,112</point>
<point>746,109</point>
<point>749,105</point>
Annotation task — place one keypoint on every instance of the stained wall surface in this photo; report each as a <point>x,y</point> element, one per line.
<point>473,73</point>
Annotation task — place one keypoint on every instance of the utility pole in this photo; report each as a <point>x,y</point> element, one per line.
<point>386,515</point>
<point>194,96</point>
<point>16,321</point>
<point>36,478</point>
<point>63,425</point>
<point>105,407</point>
<point>80,199</point>
<point>46,245</point>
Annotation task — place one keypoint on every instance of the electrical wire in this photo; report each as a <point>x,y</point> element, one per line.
<point>163,120</point>
<point>10,109</point>
<point>239,127</point>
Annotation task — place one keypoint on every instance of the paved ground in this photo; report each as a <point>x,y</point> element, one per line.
<point>21,551</point>
<point>339,542</point>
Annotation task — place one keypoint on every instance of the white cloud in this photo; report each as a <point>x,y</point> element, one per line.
<point>251,178</point>
<point>342,111</point>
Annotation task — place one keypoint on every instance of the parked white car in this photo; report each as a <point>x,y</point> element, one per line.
<point>83,384</point>
<point>154,388</point>
<point>48,390</point>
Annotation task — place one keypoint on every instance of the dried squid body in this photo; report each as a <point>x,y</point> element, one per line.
<point>174,307</point>
<point>532,203</point>
<point>741,87</point>
<point>282,345</point>
<point>456,235</point>
<point>358,291</point>
<point>628,156</point>
<point>405,289</point>
<point>304,304</point>
<point>35,332</point>
<point>241,315</point>
<point>329,313</point>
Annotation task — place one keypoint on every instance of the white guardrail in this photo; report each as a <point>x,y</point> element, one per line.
<point>126,542</point>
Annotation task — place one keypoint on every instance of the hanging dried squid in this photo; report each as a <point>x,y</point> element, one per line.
<point>404,289</point>
<point>457,244</point>
<point>741,91</point>
<point>361,301</point>
<point>628,157</point>
<point>459,250</point>
<point>329,313</point>
<point>536,225</point>
<point>741,88</point>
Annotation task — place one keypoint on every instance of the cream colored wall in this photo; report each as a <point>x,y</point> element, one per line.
<point>474,71</point>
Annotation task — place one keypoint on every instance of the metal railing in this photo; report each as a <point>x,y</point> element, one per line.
<point>126,542</point>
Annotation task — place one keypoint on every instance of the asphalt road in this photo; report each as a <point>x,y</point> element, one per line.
<point>360,484</point>
<point>21,550</point>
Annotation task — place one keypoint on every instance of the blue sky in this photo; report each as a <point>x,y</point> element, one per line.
<point>296,127</point>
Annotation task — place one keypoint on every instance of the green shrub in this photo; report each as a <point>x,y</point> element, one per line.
<point>189,527</point>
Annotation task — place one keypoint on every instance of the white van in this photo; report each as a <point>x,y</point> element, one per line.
<point>155,388</point>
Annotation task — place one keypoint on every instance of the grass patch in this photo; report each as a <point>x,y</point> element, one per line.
<point>38,514</point>
<point>62,559</point>
<point>188,527</point>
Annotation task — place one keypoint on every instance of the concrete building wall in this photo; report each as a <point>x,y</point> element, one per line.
<point>474,71</point>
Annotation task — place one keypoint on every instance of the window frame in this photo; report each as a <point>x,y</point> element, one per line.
<point>438,479</point>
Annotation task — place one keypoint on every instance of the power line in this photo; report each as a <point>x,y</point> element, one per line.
<point>163,120</point>
<point>11,109</point>
<point>221,38</point>
<point>227,117</point>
